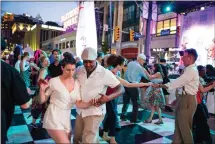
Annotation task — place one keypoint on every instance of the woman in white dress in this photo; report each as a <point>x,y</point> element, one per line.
<point>64,92</point>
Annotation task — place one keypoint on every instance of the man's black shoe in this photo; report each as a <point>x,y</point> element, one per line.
<point>123,118</point>
<point>135,121</point>
<point>168,109</point>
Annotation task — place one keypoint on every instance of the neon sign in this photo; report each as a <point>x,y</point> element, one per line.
<point>70,18</point>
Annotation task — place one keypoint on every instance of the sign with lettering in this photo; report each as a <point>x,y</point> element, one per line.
<point>165,32</point>
<point>70,18</point>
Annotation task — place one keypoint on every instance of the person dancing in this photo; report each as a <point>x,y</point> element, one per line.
<point>155,96</point>
<point>64,92</point>
<point>186,103</point>
<point>115,64</point>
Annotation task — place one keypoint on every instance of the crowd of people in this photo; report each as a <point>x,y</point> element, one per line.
<point>94,84</point>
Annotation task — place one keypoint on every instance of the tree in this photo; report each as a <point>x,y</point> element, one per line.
<point>105,48</point>
<point>38,17</point>
<point>52,23</point>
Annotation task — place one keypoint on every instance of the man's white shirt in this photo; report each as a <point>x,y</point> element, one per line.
<point>91,87</point>
<point>189,79</point>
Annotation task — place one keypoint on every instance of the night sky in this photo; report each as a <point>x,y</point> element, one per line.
<point>49,11</point>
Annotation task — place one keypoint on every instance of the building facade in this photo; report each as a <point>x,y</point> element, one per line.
<point>6,29</point>
<point>39,33</point>
<point>65,42</point>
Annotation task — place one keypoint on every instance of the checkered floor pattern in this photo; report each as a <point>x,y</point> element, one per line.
<point>21,132</point>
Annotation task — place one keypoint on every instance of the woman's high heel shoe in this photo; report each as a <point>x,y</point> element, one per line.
<point>159,122</point>
<point>147,121</point>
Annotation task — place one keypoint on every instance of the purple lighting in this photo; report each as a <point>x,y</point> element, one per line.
<point>71,29</point>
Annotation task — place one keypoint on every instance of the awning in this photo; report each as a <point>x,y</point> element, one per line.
<point>129,53</point>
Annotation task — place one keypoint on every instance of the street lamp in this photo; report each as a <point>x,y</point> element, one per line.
<point>168,9</point>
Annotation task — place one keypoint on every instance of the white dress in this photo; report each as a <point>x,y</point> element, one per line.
<point>58,113</point>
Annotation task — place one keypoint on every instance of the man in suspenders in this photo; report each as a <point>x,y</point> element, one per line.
<point>186,103</point>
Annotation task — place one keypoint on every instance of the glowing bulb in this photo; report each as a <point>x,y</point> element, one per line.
<point>202,8</point>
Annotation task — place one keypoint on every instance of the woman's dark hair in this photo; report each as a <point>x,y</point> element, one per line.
<point>24,55</point>
<point>114,60</point>
<point>200,68</point>
<point>67,53</point>
<point>56,50</point>
<point>68,59</point>
<point>209,67</point>
<point>158,68</point>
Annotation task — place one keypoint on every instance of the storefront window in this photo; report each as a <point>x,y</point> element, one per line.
<point>56,46</point>
<point>67,44</point>
<point>63,47</point>
<point>60,46</point>
<point>170,24</point>
<point>71,44</point>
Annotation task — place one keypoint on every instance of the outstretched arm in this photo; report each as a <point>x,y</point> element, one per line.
<point>127,84</point>
<point>206,89</point>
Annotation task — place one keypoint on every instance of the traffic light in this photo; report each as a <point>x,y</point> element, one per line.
<point>178,30</point>
<point>116,33</point>
<point>131,35</point>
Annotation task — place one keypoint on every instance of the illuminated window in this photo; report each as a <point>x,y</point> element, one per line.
<point>166,24</point>
<point>173,26</point>
<point>159,27</point>
<point>170,24</point>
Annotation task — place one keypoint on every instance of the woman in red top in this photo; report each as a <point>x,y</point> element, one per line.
<point>200,125</point>
<point>115,63</point>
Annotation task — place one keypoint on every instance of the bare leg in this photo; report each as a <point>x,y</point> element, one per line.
<point>33,121</point>
<point>152,112</point>
<point>112,140</point>
<point>167,100</point>
<point>159,112</point>
<point>59,136</point>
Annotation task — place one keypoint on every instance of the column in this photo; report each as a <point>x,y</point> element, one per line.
<point>114,18</point>
<point>148,26</point>
<point>104,20</point>
<point>119,23</point>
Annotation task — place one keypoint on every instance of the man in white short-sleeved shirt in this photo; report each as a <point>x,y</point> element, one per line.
<point>94,80</point>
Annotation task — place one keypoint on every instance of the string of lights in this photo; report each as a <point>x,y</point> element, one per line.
<point>200,7</point>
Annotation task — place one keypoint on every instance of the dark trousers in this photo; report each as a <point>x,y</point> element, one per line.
<point>200,125</point>
<point>3,127</point>
<point>111,117</point>
<point>133,95</point>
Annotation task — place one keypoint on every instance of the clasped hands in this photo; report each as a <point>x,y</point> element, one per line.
<point>156,85</point>
<point>100,101</point>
